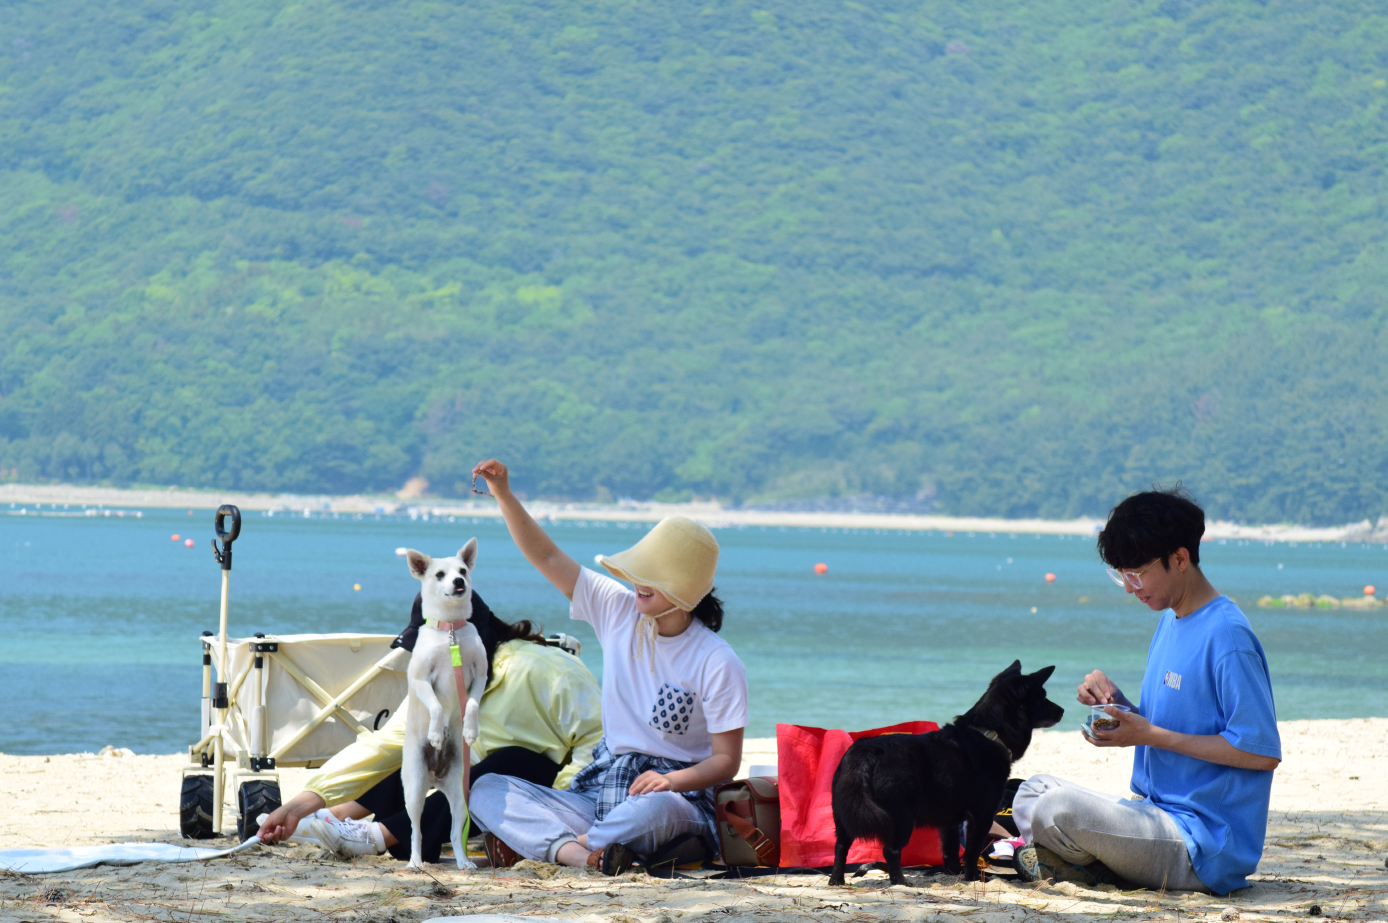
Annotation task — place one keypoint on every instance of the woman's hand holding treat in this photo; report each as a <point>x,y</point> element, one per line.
<point>539,549</point>
<point>496,475</point>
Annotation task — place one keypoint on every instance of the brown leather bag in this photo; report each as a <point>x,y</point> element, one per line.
<point>749,822</point>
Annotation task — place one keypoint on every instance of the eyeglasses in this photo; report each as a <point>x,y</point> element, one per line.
<point>485,494</point>
<point>1128,577</point>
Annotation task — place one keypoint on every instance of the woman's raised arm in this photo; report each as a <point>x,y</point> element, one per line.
<point>539,549</point>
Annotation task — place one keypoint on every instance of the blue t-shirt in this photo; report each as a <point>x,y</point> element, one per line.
<point>1206,674</point>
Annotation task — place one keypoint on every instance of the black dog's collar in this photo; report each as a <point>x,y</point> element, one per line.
<point>993,736</point>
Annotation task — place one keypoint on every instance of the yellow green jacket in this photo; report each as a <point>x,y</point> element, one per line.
<point>540,698</point>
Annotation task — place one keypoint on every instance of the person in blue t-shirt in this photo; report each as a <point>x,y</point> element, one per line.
<point>1204,735</point>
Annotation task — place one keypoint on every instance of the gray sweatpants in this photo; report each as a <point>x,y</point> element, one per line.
<point>536,821</point>
<point>1136,839</point>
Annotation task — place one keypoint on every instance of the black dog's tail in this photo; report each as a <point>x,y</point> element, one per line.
<point>856,814</point>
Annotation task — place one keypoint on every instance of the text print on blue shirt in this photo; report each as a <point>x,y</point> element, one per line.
<point>672,711</point>
<point>1173,680</point>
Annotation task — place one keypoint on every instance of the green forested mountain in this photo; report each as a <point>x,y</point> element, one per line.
<point>1020,257</point>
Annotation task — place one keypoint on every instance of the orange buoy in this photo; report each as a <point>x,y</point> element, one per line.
<point>187,543</point>
<point>1050,578</point>
<point>821,568</point>
<point>175,537</point>
<point>356,586</point>
<point>1369,590</point>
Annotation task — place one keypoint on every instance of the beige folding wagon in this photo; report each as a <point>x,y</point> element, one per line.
<point>290,700</point>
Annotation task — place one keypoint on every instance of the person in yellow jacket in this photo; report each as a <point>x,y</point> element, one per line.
<point>541,718</point>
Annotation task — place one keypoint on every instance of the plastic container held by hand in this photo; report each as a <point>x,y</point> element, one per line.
<point>1101,720</point>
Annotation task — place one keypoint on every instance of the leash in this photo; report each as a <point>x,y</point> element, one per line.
<point>455,656</point>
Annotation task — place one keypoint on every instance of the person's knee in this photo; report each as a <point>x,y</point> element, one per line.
<point>488,783</point>
<point>488,795</point>
<point>648,822</point>
<point>633,814</point>
<point>487,789</point>
<point>1052,808</point>
<point>1037,785</point>
<point>667,807</point>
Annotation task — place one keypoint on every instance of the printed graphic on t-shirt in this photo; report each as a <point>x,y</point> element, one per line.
<point>673,709</point>
<point>1173,680</point>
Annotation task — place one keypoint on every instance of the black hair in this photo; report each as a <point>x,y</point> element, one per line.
<point>1152,524</point>
<point>492,630</point>
<point>496,632</point>
<point>709,610</point>
<point>519,631</point>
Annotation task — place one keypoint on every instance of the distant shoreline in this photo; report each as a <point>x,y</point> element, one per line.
<point>32,498</point>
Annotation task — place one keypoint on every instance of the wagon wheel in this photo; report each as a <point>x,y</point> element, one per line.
<point>195,807</point>
<point>257,797</point>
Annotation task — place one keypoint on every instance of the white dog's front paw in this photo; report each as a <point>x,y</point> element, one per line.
<point>436,740</point>
<point>467,865</point>
<point>415,863</point>
<point>470,723</point>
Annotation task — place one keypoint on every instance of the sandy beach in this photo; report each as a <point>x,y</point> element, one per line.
<point>70,500</point>
<point>1327,839</point>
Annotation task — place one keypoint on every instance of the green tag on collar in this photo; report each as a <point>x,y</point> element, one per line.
<point>456,654</point>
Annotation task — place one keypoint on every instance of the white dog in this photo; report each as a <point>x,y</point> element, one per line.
<point>433,752</point>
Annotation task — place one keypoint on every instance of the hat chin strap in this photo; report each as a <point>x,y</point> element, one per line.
<point>646,631</point>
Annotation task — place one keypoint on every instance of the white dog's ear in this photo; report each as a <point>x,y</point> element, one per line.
<point>468,553</point>
<point>419,562</point>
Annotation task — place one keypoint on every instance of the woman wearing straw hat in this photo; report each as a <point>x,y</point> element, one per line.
<point>674,701</point>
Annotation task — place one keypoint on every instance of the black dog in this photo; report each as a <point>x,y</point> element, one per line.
<point>885,787</point>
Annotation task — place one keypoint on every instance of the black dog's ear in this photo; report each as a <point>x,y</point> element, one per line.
<point>1014,670</point>
<point>1040,676</point>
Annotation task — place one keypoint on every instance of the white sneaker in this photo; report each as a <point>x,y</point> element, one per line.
<point>350,838</point>
<point>302,833</point>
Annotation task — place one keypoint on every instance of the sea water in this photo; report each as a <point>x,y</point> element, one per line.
<point>100,616</point>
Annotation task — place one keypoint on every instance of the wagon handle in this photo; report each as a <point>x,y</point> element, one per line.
<point>223,554</point>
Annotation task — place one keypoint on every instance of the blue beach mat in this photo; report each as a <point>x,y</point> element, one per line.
<point>65,859</point>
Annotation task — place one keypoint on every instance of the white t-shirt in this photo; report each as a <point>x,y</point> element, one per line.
<point>698,687</point>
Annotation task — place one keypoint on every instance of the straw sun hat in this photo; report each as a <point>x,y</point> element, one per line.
<point>678,557</point>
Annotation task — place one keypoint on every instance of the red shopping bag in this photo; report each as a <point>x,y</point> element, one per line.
<point>807,759</point>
